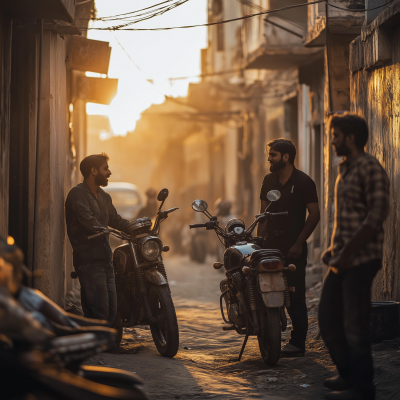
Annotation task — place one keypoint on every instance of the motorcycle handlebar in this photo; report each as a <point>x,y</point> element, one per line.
<point>96,235</point>
<point>279,214</point>
<point>197,226</point>
<point>171,210</point>
<point>272,215</point>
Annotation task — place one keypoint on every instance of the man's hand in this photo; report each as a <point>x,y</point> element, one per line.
<point>295,251</point>
<point>326,256</point>
<point>342,261</point>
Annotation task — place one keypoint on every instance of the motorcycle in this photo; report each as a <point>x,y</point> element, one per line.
<point>35,363</point>
<point>143,293</point>
<point>255,288</point>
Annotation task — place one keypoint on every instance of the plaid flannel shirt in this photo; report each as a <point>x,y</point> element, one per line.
<point>361,198</point>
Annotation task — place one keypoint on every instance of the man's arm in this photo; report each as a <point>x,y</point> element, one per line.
<point>116,221</point>
<point>309,226</point>
<point>79,205</point>
<point>376,184</point>
<point>262,226</point>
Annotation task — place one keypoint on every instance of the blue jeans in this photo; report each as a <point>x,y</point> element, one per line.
<point>98,293</point>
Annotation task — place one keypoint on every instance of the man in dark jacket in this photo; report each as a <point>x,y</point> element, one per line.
<point>86,208</point>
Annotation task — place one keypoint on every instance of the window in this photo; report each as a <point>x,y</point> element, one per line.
<point>220,38</point>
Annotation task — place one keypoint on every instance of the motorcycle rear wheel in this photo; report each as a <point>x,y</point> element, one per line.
<point>165,332</point>
<point>269,339</point>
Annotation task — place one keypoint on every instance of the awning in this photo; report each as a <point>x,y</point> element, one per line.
<point>89,55</point>
<point>97,90</point>
<point>275,58</point>
<point>40,9</point>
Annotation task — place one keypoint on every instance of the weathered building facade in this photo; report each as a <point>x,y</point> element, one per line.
<point>43,129</point>
<point>375,94</point>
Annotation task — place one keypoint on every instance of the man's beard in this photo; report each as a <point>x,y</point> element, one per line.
<point>275,167</point>
<point>101,180</point>
<point>342,150</point>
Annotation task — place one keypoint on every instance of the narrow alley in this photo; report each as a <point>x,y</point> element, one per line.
<point>206,366</point>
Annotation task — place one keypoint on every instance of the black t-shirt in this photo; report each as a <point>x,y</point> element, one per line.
<point>298,191</point>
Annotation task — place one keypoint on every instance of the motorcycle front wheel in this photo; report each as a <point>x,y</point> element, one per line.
<point>269,339</point>
<point>165,331</point>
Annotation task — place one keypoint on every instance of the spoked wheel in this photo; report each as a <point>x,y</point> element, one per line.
<point>269,339</point>
<point>165,332</point>
<point>118,326</point>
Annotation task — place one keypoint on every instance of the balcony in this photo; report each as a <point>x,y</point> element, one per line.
<point>341,21</point>
<point>276,42</point>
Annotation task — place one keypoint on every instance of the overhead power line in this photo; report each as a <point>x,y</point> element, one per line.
<point>122,27</point>
<point>212,23</point>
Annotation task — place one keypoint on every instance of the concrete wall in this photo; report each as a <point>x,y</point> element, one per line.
<point>375,94</point>
<point>53,169</point>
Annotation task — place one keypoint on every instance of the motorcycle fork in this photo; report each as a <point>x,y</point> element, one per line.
<point>141,284</point>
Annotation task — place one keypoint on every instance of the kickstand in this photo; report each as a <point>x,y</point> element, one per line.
<point>243,346</point>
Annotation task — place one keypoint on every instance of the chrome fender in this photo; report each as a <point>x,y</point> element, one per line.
<point>272,288</point>
<point>154,276</point>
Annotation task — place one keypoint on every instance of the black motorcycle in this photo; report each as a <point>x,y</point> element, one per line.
<point>42,347</point>
<point>255,289</point>
<point>144,296</point>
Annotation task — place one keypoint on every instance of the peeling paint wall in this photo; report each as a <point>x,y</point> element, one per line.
<point>375,94</point>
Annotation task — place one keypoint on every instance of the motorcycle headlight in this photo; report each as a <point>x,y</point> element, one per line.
<point>238,230</point>
<point>151,250</point>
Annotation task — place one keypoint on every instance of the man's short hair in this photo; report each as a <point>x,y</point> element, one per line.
<point>351,124</point>
<point>284,146</point>
<point>93,161</point>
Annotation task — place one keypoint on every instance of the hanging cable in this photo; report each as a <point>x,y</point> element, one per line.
<point>122,28</point>
<point>212,23</point>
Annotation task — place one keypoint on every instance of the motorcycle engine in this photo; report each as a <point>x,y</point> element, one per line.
<point>232,305</point>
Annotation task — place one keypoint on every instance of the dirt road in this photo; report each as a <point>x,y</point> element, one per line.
<point>205,365</point>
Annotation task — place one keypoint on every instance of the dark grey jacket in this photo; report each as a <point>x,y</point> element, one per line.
<point>82,213</point>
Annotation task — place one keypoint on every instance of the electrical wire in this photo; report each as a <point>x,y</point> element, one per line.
<point>212,23</point>
<point>239,18</point>
<point>128,13</point>
<point>248,3</point>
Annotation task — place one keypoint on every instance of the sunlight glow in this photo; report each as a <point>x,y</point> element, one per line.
<point>159,55</point>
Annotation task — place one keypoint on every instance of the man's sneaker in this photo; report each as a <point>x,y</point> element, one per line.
<point>288,350</point>
<point>337,383</point>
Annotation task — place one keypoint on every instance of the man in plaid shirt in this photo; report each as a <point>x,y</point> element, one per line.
<point>354,258</point>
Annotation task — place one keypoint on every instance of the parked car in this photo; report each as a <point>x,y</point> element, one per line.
<point>126,198</point>
<point>127,201</point>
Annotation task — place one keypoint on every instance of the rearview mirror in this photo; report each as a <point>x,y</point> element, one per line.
<point>273,195</point>
<point>199,205</point>
<point>162,195</point>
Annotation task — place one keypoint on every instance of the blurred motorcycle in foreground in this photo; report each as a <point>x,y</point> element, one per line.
<point>35,363</point>
<point>255,289</point>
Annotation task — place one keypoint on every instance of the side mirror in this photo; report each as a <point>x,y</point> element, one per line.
<point>273,195</point>
<point>199,205</point>
<point>162,195</point>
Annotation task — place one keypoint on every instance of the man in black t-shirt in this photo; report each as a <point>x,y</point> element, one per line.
<point>298,194</point>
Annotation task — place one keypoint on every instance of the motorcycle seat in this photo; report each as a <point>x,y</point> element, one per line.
<point>257,255</point>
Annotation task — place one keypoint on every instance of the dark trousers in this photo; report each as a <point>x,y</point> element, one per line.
<point>98,293</point>
<point>344,320</point>
<point>298,308</point>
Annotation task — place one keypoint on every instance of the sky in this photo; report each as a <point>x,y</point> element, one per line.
<point>159,55</point>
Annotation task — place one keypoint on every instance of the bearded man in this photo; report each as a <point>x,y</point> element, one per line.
<point>298,194</point>
<point>87,207</point>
